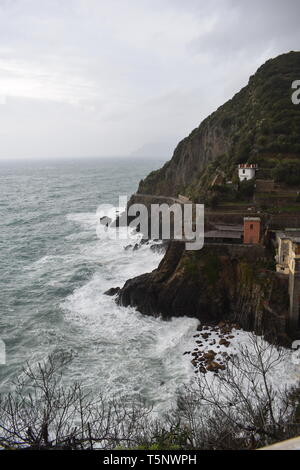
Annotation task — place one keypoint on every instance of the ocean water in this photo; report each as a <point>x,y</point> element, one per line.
<point>54,269</point>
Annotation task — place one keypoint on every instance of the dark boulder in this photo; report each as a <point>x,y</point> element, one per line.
<point>112,291</point>
<point>127,247</point>
<point>106,221</point>
<point>160,247</point>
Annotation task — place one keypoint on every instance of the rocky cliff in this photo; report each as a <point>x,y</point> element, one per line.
<point>228,282</point>
<point>258,122</point>
<point>215,284</point>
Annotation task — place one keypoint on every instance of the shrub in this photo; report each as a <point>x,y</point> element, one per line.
<point>287,171</point>
<point>246,189</point>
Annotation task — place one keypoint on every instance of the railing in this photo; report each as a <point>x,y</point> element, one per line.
<point>291,444</point>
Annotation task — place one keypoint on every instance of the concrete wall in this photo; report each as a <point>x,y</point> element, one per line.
<point>294,292</point>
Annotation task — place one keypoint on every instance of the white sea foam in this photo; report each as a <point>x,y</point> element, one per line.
<point>118,350</point>
<point>85,219</point>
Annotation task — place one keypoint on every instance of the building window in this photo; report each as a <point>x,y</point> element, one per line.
<point>244,171</point>
<point>251,227</point>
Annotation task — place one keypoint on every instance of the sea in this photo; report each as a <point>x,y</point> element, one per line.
<point>54,269</point>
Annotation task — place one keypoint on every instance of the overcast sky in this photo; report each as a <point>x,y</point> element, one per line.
<point>108,77</point>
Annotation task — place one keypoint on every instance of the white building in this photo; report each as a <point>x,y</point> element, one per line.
<point>247,171</point>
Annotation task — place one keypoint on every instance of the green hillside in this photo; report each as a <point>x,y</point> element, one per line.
<point>260,124</point>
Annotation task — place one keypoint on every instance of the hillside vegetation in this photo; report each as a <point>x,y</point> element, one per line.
<point>260,124</point>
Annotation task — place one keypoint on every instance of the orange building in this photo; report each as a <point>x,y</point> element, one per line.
<point>251,230</point>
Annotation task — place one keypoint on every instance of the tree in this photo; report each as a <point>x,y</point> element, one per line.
<point>237,408</point>
<point>287,171</point>
<point>42,413</point>
<point>240,408</point>
<point>246,189</point>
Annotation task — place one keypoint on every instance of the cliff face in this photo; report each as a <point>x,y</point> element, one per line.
<point>214,284</point>
<point>190,158</point>
<point>257,122</point>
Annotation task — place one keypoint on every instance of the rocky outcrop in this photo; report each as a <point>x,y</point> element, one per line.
<point>218,283</point>
<point>112,291</point>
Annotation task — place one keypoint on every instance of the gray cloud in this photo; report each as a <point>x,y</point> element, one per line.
<point>99,77</point>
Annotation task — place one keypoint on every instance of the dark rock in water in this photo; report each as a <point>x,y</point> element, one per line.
<point>105,221</point>
<point>112,291</point>
<point>210,355</point>
<point>213,367</point>
<point>159,247</point>
<point>126,248</point>
<point>122,220</point>
<point>206,335</point>
<point>224,342</point>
